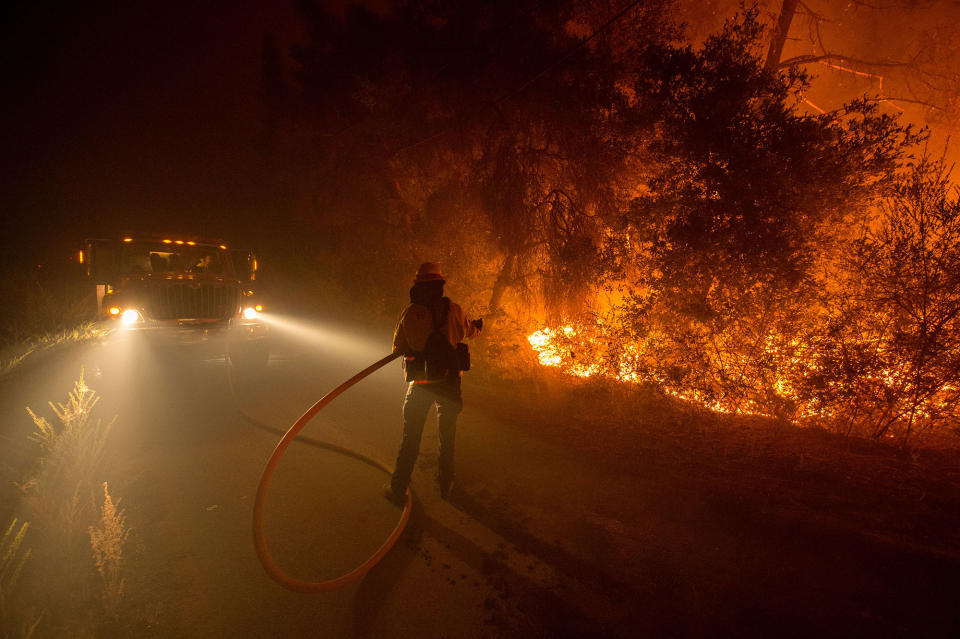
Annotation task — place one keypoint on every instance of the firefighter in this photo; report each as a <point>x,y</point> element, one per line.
<point>429,336</point>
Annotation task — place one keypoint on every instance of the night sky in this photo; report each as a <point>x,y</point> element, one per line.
<point>147,116</point>
<point>144,116</point>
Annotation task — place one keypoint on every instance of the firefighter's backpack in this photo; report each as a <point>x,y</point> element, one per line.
<point>442,359</point>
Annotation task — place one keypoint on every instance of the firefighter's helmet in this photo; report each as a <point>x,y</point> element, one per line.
<point>429,272</point>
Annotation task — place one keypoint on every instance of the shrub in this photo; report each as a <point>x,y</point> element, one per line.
<point>13,557</point>
<point>107,543</point>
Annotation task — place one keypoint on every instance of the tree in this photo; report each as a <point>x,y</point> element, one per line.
<point>505,113</point>
<point>889,365</point>
<point>749,191</point>
<point>866,40</point>
<point>748,200</point>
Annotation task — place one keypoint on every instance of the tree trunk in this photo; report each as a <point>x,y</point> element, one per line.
<point>779,36</point>
<point>503,281</point>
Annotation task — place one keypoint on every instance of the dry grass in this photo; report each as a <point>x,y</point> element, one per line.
<point>43,302</point>
<point>15,354</point>
<point>74,526</point>
<point>72,451</point>
<point>107,543</point>
<point>13,557</point>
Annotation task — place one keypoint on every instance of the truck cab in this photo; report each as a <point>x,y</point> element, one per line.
<point>182,290</point>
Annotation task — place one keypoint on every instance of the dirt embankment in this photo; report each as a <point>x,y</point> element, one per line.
<point>904,496</point>
<point>705,522</point>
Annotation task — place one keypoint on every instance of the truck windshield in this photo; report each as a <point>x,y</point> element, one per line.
<point>141,258</point>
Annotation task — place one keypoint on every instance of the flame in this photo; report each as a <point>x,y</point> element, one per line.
<point>551,353</point>
<point>553,348</point>
<point>569,349</point>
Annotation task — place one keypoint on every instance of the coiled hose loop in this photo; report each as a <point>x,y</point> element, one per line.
<point>259,540</point>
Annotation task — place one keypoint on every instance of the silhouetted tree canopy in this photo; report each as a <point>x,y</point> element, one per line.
<point>573,165</point>
<point>747,191</point>
<point>498,111</point>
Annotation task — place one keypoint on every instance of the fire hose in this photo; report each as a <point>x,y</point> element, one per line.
<point>259,539</point>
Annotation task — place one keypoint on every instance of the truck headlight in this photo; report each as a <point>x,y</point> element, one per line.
<point>129,317</point>
<point>250,313</point>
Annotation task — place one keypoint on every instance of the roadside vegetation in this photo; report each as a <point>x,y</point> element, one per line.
<point>16,618</point>
<point>640,208</point>
<point>46,308</point>
<point>76,539</point>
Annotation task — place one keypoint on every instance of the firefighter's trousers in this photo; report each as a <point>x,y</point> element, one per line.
<point>420,397</point>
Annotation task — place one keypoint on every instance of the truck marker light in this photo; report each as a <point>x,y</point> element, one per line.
<point>128,239</point>
<point>168,241</point>
<point>80,257</point>
<point>130,316</point>
<point>223,246</point>
<point>114,310</point>
<point>178,242</point>
<point>250,313</point>
<point>191,243</point>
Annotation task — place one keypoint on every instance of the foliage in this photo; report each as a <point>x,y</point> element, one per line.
<point>889,363</point>
<point>669,205</point>
<point>12,357</point>
<point>60,497</point>
<point>107,542</point>
<point>44,308</point>
<point>72,451</point>
<point>868,346</point>
<point>719,259</point>
<point>748,191</point>
<point>13,557</point>
<point>41,304</point>
<point>452,131</point>
<point>913,70</point>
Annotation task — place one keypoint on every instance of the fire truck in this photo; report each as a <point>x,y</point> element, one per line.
<point>180,290</point>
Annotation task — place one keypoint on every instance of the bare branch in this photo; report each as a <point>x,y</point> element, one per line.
<point>813,14</point>
<point>807,59</point>
<point>891,99</point>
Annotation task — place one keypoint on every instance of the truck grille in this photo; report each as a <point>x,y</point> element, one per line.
<point>181,300</point>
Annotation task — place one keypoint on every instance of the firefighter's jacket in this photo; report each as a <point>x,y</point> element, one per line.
<point>416,324</point>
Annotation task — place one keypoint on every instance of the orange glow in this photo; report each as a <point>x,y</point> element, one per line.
<point>191,243</point>
<point>114,310</point>
<point>128,239</point>
<point>80,257</point>
<point>258,307</point>
<point>572,353</point>
<point>168,241</point>
<point>550,353</point>
<point>178,242</point>
<point>223,246</point>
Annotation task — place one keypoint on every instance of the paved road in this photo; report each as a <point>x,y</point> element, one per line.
<point>542,537</point>
<point>186,465</point>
